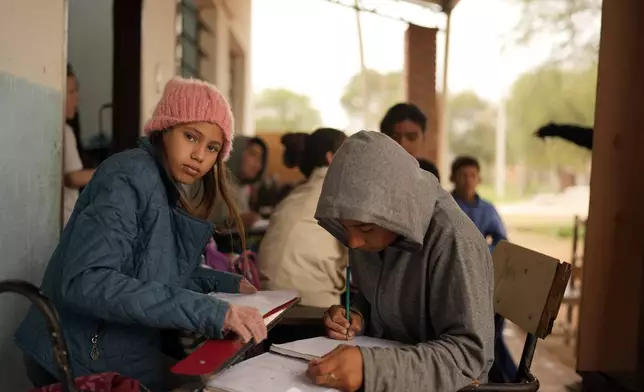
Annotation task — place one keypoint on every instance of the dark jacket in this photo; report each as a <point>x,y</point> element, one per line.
<point>127,266</point>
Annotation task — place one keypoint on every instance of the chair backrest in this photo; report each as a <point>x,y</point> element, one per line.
<point>528,287</point>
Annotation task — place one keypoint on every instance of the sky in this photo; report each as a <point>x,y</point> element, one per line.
<point>311,47</point>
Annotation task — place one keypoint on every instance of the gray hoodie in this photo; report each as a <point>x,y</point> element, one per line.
<point>431,289</point>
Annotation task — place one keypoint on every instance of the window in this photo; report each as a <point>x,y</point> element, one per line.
<point>189,52</point>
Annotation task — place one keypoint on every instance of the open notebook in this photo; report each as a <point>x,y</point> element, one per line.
<point>264,301</point>
<point>266,373</point>
<point>286,372</point>
<point>309,349</point>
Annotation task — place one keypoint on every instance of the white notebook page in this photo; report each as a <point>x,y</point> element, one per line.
<point>266,373</point>
<point>264,301</point>
<point>317,347</point>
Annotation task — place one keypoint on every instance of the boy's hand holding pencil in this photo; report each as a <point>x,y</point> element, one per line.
<point>338,327</point>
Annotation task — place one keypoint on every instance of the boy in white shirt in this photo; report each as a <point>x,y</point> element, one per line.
<point>75,176</point>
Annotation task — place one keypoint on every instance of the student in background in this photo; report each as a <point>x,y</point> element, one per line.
<point>407,124</point>
<point>271,192</point>
<point>422,270</point>
<point>296,253</point>
<point>466,177</point>
<point>127,264</point>
<point>293,144</point>
<point>75,176</point>
<point>247,165</point>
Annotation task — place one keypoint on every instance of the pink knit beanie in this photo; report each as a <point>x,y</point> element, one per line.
<point>191,100</point>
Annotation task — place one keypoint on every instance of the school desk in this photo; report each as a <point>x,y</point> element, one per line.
<point>304,315</point>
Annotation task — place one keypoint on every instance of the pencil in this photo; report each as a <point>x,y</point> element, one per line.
<point>347,297</point>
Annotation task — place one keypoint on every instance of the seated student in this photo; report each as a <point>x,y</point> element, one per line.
<point>466,177</point>
<point>296,253</point>
<point>75,175</point>
<point>247,165</point>
<point>293,144</point>
<point>270,192</point>
<point>127,264</point>
<point>406,124</point>
<point>422,271</point>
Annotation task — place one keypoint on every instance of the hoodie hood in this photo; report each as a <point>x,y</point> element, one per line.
<point>237,158</point>
<point>374,180</point>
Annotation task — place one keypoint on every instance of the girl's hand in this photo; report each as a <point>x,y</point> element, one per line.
<point>245,287</point>
<point>246,322</point>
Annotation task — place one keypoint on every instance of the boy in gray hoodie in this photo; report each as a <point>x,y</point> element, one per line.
<point>422,269</point>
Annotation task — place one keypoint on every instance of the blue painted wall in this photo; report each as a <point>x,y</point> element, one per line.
<point>31,121</point>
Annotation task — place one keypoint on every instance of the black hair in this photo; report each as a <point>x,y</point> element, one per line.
<point>463,161</point>
<point>316,147</point>
<point>399,113</point>
<point>294,144</point>
<point>429,166</point>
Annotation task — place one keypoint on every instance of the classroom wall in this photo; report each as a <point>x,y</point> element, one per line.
<point>158,43</point>
<point>233,34</point>
<point>32,59</point>
<point>90,52</point>
<point>275,165</point>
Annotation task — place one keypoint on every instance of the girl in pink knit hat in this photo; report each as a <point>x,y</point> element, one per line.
<point>129,260</point>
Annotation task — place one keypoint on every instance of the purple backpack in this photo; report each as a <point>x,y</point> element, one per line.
<point>243,264</point>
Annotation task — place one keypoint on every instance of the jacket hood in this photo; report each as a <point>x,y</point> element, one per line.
<point>374,180</point>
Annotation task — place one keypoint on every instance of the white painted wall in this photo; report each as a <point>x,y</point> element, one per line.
<point>32,67</point>
<point>234,18</point>
<point>90,53</point>
<point>32,37</point>
<point>157,52</point>
<point>229,20</point>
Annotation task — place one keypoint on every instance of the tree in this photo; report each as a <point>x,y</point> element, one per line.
<point>384,91</point>
<point>550,94</point>
<point>572,25</point>
<point>280,109</point>
<point>473,128</point>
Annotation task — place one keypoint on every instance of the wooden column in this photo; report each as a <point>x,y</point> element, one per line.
<point>611,331</point>
<point>126,74</point>
<point>420,82</point>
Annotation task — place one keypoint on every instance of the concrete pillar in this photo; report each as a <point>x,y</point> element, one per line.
<point>420,82</point>
<point>32,79</point>
<point>611,331</point>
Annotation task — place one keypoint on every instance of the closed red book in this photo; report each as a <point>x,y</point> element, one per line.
<point>216,355</point>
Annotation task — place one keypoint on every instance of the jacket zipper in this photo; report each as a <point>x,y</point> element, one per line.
<point>95,353</point>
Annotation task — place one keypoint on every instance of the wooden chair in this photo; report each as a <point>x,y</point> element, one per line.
<point>528,290</point>
<point>572,296</point>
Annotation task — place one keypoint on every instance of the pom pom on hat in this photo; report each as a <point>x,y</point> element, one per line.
<point>192,100</point>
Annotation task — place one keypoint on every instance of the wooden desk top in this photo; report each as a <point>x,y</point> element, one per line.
<point>304,315</point>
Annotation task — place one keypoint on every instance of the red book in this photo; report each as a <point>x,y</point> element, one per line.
<point>216,355</point>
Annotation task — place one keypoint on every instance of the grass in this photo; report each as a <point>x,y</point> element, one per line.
<point>559,231</point>
<point>488,192</point>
